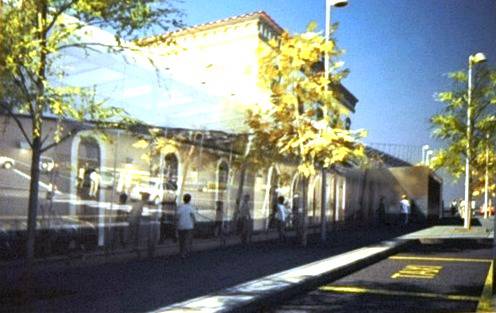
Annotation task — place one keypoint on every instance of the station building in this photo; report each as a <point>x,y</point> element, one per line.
<point>197,101</point>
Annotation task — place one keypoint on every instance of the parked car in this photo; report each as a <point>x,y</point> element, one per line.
<point>159,191</point>
<point>46,164</point>
<point>6,162</point>
<point>65,234</point>
<point>107,178</point>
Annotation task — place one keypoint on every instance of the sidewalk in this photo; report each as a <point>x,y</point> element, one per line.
<point>119,255</point>
<point>130,285</point>
<point>451,232</point>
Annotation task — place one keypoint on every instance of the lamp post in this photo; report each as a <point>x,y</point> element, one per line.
<point>486,180</point>
<point>428,155</point>
<point>424,150</point>
<point>328,4</point>
<point>472,59</point>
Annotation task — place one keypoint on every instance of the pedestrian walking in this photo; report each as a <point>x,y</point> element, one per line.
<point>281,217</point>
<point>381,211</point>
<point>94,183</point>
<point>121,221</point>
<point>404,209</point>
<point>185,220</point>
<point>167,219</point>
<point>220,225</point>
<point>135,217</point>
<point>81,174</point>
<point>244,220</point>
<point>219,218</point>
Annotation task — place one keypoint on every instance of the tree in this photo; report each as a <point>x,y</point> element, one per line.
<point>450,127</point>
<point>303,120</point>
<point>34,34</point>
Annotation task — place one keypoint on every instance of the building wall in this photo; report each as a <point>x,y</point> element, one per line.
<point>352,194</point>
<point>221,60</point>
<point>418,184</point>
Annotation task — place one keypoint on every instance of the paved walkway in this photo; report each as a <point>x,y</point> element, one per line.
<point>451,232</point>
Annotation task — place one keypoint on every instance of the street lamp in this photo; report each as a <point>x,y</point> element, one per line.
<point>472,59</point>
<point>486,180</point>
<point>328,4</point>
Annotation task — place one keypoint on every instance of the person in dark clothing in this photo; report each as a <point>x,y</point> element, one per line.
<point>381,212</point>
<point>219,218</point>
<point>281,217</point>
<point>121,221</point>
<point>135,220</point>
<point>244,220</point>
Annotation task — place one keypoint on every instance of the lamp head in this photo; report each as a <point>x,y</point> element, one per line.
<point>479,57</point>
<point>338,3</point>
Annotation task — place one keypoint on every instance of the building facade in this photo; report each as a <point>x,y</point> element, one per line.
<point>218,62</point>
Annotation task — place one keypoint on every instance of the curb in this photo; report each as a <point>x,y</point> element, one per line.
<point>256,295</point>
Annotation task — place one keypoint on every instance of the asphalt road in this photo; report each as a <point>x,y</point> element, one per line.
<point>440,277</point>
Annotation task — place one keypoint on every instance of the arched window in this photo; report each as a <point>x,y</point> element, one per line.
<point>171,169</point>
<point>222,177</point>
<point>88,161</point>
<point>223,173</point>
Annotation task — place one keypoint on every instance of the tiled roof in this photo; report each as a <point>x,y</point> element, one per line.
<point>232,20</point>
<point>387,159</point>
<point>214,24</point>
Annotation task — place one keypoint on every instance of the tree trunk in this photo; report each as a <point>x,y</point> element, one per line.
<point>362,194</point>
<point>304,217</point>
<point>33,204</point>
<point>187,162</point>
<point>242,174</point>
<point>266,204</point>
<point>239,194</point>
<point>323,204</point>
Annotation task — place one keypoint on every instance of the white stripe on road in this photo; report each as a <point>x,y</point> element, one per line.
<point>42,184</point>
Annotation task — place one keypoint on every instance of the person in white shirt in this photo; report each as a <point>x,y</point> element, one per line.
<point>94,183</point>
<point>404,209</point>
<point>185,219</point>
<point>281,218</point>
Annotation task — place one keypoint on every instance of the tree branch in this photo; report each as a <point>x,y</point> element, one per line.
<point>62,9</point>
<point>71,133</point>
<point>90,45</point>
<point>18,122</point>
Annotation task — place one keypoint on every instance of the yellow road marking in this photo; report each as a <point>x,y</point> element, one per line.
<point>418,271</point>
<point>485,304</point>
<point>349,289</point>
<point>435,259</point>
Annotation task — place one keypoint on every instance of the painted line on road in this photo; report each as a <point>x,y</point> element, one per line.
<point>485,304</point>
<point>42,184</point>
<point>436,259</point>
<point>418,271</point>
<point>385,292</point>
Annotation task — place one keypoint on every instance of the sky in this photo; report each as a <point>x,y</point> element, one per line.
<point>398,52</point>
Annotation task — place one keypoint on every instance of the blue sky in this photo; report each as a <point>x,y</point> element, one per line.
<point>398,51</point>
